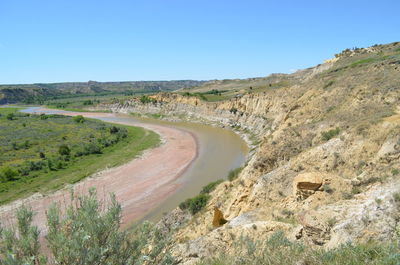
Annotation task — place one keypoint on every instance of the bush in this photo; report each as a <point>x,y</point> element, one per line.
<point>326,136</point>
<point>87,102</point>
<point>211,186</point>
<point>92,148</point>
<point>87,233</point>
<point>79,119</point>
<point>64,150</point>
<point>233,110</point>
<point>233,174</point>
<point>196,204</point>
<point>10,116</point>
<point>113,129</point>
<point>22,246</point>
<point>44,116</point>
<point>8,174</point>
<point>146,99</point>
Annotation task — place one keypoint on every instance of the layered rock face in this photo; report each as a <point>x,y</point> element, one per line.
<point>326,167</point>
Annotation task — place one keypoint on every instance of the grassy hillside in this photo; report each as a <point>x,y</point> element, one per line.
<point>42,153</point>
<point>38,93</point>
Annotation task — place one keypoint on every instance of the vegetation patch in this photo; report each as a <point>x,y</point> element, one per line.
<point>211,186</point>
<point>87,233</point>
<point>279,250</point>
<point>234,173</point>
<point>326,136</point>
<point>195,204</point>
<point>44,152</point>
<point>363,61</point>
<point>146,99</point>
<point>330,83</point>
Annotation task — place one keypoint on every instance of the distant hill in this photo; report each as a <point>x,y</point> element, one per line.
<point>33,93</point>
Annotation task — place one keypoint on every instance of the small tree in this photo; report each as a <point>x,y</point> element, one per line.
<point>79,119</point>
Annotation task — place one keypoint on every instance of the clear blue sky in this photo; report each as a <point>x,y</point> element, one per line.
<point>116,40</point>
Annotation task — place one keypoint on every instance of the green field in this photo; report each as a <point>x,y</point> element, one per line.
<point>41,153</point>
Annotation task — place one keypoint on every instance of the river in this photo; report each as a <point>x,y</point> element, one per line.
<point>218,151</point>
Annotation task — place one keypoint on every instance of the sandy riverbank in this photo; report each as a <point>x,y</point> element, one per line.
<point>139,185</point>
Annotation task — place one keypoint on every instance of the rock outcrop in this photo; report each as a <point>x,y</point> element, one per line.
<point>306,184</point>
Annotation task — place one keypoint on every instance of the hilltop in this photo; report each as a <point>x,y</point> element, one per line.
<point>37,93</point>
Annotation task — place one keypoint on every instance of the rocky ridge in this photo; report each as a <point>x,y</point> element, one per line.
<point>326,163</point>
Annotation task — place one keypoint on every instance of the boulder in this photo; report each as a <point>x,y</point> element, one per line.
<point>218,219</point>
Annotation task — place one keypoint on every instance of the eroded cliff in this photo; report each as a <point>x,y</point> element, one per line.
<point>326,162</point>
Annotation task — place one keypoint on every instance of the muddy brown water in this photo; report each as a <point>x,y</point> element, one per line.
<point>219,151</point>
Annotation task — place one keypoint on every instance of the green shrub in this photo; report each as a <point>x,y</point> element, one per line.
<point>233,110</point>
<point>21,247</point>
<point>210,186</point>
<point>79,119</point>
<point>87,102</point>
<point>234,173</point>
<point>113,129</point>
<point>85,233</point>
<point>92,148</point>
<point>10,116</point>
<point>8,174</point>
<point>146,99</point>
<point>326,136</point>
<point>196,204</point>
<point>64,150</point>
<point>395,171</point>
<point>44,116</point>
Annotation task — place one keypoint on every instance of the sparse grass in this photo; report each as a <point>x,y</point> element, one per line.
<point>363,61</point>
<point>279,250</point>
<point>326,136</point>
<point>332,221</point>
<point>288,217</point>
<point>355,190</point>
<point>330,83</point>
<point>328,189</point>
<point>396,197</point>
<point>157,116</point>
<point>347,196</point>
